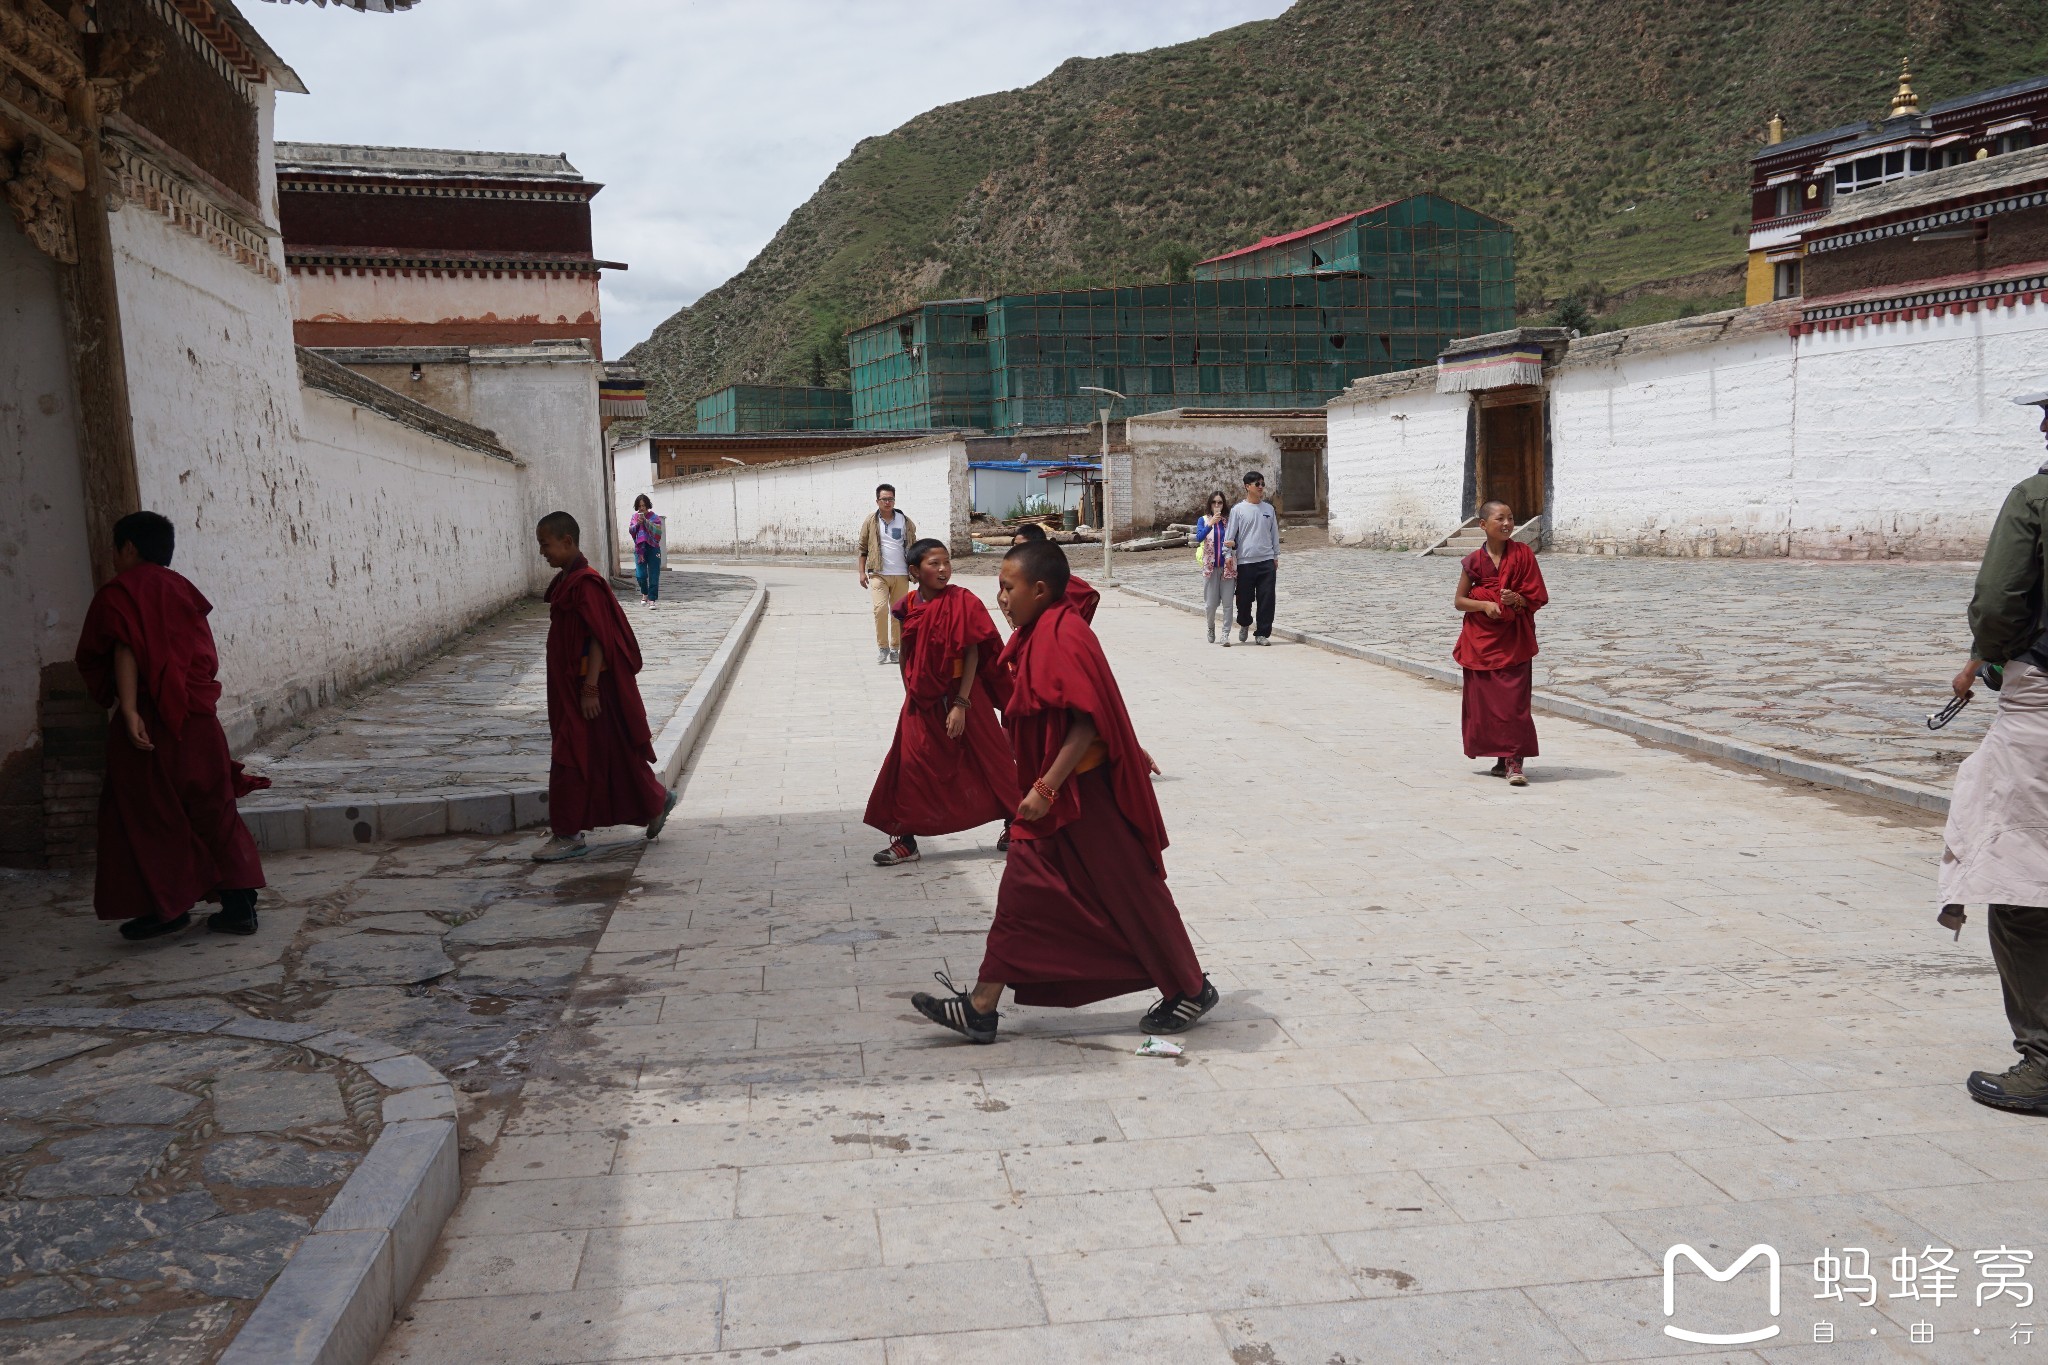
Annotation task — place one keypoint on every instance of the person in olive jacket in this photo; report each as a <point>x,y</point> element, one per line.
<point>1995,848</point>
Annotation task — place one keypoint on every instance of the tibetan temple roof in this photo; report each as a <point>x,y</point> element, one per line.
<point>435,163</point>
<point>1934,187</point>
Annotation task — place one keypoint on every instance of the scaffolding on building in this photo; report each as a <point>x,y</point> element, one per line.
<point>1289,322</point>
<point>775,407</point>
<point>925,368</point>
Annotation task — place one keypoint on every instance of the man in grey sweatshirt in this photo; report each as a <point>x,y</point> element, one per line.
<point>1251,549</point>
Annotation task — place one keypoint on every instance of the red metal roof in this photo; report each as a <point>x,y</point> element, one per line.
<point>1265,242</point>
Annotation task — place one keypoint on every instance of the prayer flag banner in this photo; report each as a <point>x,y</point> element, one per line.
<point>1494,369</point>
<point>621,398</point>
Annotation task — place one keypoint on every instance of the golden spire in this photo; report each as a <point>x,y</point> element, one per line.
<point>1774,132</point>
<point>1905,101</point>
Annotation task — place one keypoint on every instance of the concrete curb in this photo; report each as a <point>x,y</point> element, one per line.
<point>678,738</point>
<point>332,1303</point>
<point>366,818</point>
<point>1916,795</point>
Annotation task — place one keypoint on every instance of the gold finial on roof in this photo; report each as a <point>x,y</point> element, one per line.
<point>1905,101</point>
<point>1775,131</point>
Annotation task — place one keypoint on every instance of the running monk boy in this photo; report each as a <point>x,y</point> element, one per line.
<point>169,833</point>
<point>598,774</point>
<point>1083,912</point>
<point>949,768</point>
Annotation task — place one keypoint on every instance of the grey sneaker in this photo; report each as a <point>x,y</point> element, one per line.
<point>560,850</point>
<point>2023,1089</point>
<point>895,656</point>
<point>1263,640</point>
<point>882,656</point>
<point>668,803</point>
<point>1243,633</point>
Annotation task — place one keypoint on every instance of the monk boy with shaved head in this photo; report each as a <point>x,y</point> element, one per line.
<point>1500,590</point>
<point>1083,912</point>
<point>598,774</point>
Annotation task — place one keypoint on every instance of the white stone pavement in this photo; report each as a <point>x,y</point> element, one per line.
<point>1484,1054</point>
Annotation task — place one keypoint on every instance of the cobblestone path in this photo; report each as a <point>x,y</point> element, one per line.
<point>478,715</point>
<point>1834,661</point>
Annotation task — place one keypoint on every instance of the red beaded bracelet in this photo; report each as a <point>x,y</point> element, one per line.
<point>1049,793</point>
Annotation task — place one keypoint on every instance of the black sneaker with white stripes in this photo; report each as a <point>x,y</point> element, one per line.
<point>1179,1013</point>
<point>957,1012</point>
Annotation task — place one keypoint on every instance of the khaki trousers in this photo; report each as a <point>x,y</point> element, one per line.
<point>885,591</point>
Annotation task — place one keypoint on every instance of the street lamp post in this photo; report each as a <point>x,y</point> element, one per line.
<point>734,479</point>
<point>1108,576</point>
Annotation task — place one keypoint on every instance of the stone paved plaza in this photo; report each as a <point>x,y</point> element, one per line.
<point>1484,1055</point>
<point>1839,661</point>
<point>477,716</point>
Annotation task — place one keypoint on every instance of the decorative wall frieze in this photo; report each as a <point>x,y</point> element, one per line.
<point>39,201</point>
<point>140,180</point>
<point>289,183</point>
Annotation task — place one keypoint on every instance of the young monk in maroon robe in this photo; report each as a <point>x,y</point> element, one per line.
<point>169,833</point>
<point>1499,590</point>
<point>950,767</point>
<point>1083,912</point>
<point>1080,596</point>
<point>599,773</point>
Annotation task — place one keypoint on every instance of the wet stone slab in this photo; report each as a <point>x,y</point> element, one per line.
<point>376,959</point>
<point>130,1198</point>
<point>258,1163</point>
<point>110,1161</point>
<point>274,1101</point>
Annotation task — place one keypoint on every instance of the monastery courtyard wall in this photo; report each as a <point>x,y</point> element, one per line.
<point>1725,435</point>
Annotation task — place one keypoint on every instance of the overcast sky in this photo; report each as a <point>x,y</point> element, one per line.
<point>708,121</point>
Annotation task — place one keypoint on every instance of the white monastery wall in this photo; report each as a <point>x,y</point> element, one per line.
<point>542,403</point>
<point>1895,439</point>
<point>334,543</point>
<point>632,475</point>
<point>815,506</point>
<point>45,567</point>
<point>1396,467</point>
<point>325,296</point>
<point>1907,439</point>
<point>1675,453</point>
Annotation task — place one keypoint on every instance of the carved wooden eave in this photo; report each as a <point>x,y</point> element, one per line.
<point>42,136</point>
<point>60,115</point>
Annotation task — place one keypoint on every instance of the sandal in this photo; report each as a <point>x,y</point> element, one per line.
<point>956,1011</point>
<point>1179,1013</point>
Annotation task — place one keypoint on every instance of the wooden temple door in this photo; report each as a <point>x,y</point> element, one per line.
<point>1513,459</point>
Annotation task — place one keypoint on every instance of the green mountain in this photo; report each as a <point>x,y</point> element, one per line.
<point>1611,133</point>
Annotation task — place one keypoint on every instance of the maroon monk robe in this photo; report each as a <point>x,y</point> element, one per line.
<point>1082,598</point>
<point>1083,912</point>
<point>169,833</point>
<point>930,783</point>
<point>1495,654</point>
<point>599,774</point>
